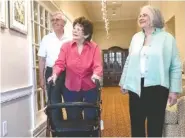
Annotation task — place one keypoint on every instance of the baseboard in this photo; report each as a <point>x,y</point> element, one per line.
<point>10,95</point>
<point>40,129</point>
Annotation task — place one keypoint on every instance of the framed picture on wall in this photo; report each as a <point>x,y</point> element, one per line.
<point>3,13</point>
<point>18,15</point>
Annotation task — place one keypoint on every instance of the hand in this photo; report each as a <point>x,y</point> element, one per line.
<point>123,91</point>
<point>42,83</point>
<point>172,98</point>
<point>94,77</point>
<point>52,78</point>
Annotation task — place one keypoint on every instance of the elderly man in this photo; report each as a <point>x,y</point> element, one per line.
<point>48,52</point>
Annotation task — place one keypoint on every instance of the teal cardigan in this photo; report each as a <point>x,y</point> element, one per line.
<point>163,63</point>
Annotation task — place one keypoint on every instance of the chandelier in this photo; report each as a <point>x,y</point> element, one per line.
<point>105,18</point>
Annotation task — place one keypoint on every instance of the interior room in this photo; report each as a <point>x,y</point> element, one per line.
<point>24,24</point>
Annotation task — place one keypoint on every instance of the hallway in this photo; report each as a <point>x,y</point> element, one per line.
<point>115,113</point>
<point>23,26</point>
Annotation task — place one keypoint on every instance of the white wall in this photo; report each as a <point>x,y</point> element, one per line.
<point>15,62</point>
<point>73,9</point>
<point>16,82</point>
<point>175,9</point>
<point>120,34</point>
<point>17,113</point>
<point>68,29</point>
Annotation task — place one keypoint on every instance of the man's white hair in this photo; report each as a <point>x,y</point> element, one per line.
<point>62,15</point>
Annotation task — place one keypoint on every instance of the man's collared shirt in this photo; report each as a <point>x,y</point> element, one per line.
<point>50,48</point>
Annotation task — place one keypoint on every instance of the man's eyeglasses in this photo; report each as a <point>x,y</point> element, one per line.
<point>55,19</point>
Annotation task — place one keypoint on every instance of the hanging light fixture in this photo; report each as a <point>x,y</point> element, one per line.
<point>104,16</point>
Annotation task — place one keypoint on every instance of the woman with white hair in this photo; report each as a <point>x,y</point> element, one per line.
<point>151,75</point>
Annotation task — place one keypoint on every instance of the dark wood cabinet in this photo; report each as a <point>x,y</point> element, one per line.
<point>114,60</point>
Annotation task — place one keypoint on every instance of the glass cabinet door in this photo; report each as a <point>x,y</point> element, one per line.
<point>114,60</point>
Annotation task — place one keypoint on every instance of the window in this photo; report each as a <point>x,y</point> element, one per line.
<point>41,26</point>
<point>40,22</point>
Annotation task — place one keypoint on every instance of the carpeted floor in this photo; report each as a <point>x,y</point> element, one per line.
<point>115,113</point>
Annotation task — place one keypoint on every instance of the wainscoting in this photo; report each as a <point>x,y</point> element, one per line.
<point>16,109</point>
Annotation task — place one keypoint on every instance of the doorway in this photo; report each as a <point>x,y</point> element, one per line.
<point>170,26</point>
<point>114,60</point>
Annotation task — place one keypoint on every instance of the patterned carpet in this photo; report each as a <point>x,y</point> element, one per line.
<point>115,113</point>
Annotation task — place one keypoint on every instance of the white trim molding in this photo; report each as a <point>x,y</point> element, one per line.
<point>39,129</point>
<point>15,93</point>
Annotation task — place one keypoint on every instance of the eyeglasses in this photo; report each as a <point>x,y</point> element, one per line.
<point>142,15</point>
<point>55,19</point>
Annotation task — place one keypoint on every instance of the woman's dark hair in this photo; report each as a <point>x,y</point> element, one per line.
<point>87,26</point>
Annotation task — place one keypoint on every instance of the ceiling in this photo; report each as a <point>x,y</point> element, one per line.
<point>116,10</point>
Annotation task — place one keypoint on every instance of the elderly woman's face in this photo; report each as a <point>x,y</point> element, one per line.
<point>78,33</point>
<point>144,18</point>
